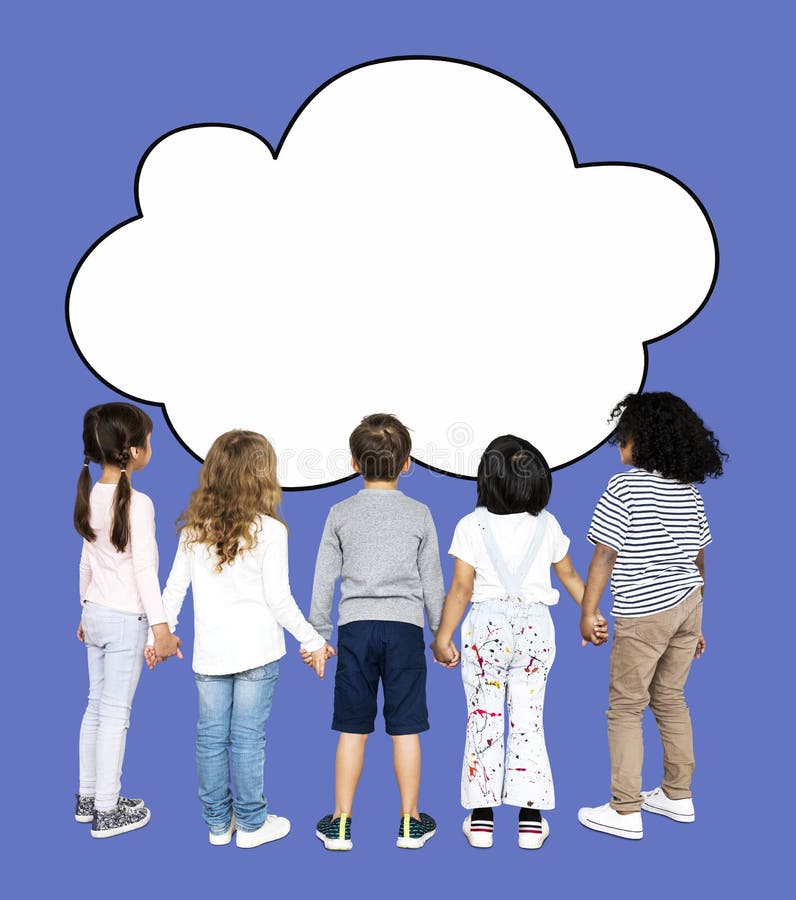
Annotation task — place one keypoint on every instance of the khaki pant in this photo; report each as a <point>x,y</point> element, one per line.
<point>650,660</point>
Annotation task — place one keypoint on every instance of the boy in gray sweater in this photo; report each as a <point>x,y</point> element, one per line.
<point>383,547</point>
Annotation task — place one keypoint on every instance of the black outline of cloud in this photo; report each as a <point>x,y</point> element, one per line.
<point>275,154</point>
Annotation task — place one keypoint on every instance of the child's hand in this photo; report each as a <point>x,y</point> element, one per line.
<point>150,657</point>
<point>446,655</point>
<point>306,656</point>
<point>318,658</point>
<point>593,630</point>
<point>700,647</point>
<point>167,645</point>
<point>81,635</point>
<point>600,627</point>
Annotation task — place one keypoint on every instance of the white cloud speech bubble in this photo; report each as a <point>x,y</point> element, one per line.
<point>423,244</point>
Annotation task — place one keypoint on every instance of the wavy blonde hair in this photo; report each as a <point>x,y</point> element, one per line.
<point>237,483</point>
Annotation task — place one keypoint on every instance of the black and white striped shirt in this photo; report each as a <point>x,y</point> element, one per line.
<point>657,527</point>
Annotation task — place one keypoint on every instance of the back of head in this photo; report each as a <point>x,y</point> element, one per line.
<point>668,437</point>
<point>513,477</point>
<point>237,484</point>
<point>109,431</point>
<point>381,445</point>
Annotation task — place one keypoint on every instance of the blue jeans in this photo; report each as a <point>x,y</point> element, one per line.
<point>233,710</point>
<point>115,645</point>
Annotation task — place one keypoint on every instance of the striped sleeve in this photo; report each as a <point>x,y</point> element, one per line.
<point>610,522</point>
<point>705,536</point>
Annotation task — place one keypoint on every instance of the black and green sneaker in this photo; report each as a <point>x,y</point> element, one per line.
<point>413,833</point>
<point>335,833</point>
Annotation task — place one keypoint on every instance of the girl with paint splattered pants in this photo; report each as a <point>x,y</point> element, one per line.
<point>503,553</point>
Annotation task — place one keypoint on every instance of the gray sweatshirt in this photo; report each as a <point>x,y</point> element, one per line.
<point>383,545</point>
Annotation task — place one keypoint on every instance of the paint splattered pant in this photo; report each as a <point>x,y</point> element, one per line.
<point>508,648</point>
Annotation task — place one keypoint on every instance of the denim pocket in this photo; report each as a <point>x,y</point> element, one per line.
<point>261,673</point>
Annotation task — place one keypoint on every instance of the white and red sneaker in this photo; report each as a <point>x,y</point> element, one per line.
<point>478,831</point>
<point>531,835</point>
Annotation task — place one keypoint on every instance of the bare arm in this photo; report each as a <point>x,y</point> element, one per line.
<point>459,595</point>
<point>600,568</point>
<point>568,576</point>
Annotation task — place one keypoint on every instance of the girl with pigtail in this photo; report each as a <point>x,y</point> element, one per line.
<point>120,598</point>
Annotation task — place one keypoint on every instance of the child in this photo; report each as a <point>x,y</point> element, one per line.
<point>233,551</point>
<point>503,552</point>
<point>384,547</point>
<point>649,529</point>
<point>120,595</point>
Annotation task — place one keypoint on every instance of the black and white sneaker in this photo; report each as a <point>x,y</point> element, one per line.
<point>413,833</point>
<point>117,821</point>
<point>84,808</point>
<point>478,829</point>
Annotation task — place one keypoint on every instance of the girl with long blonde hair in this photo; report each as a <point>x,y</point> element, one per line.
<point>233,551</point>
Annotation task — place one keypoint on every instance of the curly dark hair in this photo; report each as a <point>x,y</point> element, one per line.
<point>668,437</point>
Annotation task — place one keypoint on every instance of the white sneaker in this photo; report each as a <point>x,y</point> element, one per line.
<point>657,802</point>
<point>220,840</point>
<point>479,831</point>
<point>606,819</point>
<point>531,835</point>
<point>272,829</point>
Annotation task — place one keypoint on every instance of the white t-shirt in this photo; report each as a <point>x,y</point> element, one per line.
<point>239,612</point>
<point>513,534</point>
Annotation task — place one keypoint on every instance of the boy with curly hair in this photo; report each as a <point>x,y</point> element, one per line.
<point>650,532</point>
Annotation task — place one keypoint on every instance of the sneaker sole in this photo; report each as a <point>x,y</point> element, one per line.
<point>607,829</point>
<point>260,841</point>
<point>112,832</point>
<point>405,843</point>
<point>661,811</point>
<point>334,843</point>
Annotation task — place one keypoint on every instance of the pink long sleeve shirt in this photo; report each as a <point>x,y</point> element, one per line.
<point>126,581</point>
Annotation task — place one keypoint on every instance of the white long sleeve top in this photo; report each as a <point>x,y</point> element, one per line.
<point>126,581</point>
<point>241,611</point>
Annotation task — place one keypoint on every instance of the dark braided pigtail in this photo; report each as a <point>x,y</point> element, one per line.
<point>82,507</point>
<point>120,529</point>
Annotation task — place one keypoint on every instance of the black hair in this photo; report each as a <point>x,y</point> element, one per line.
<point>513,477</point>
<point>668,437</point>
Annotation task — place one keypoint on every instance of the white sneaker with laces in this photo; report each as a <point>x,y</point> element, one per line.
<point>225,837</point>
<point>272,829</point>
<point>478,831</point>
<point>606,819</point>
<point>656,801</point>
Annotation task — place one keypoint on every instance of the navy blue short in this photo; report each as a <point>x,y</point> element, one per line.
<point>393,653</point>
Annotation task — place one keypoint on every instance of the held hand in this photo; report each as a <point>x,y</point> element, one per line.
<point>167,645</point>
<point>593,630</point>
<point>700,647</point>
<point>330,651</point>
<point>600,627</point>
<point>319,661</point>
<point>306,656</point>
<point>150,657</point>
<point>445,653</point>
<point>81,635</point>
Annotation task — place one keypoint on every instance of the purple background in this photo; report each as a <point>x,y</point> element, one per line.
<point>698,90</point>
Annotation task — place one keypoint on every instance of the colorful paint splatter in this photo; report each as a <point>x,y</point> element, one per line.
<point>508,648</point>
